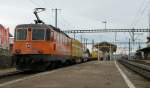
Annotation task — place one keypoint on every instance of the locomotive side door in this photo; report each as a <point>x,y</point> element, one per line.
<point>53,40</point>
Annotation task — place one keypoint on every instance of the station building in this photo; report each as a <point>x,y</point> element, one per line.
<point>103,50</point>
<point>144,53</point>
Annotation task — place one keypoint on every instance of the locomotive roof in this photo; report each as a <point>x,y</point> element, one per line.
<point>41,26</point>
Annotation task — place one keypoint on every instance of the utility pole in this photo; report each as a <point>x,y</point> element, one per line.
<point>110,52</point>
<point>98,53</point>
<point>74,35</point>
<point>139,46</point>
<point>116,44</point>
<point>149,23</point>
<point>81,38</point>
<point>86,42</point>
<point>105,22</point>
<point>132,37</point>
<point>132,34</point>
<point>129,50</point>
<point>56,16</point>
<point>93,45</point>
<point>115,36</point>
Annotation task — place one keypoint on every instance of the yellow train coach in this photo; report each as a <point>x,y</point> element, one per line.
<point>77,49</point>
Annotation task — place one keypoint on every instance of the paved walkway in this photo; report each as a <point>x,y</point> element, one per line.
<point>94,74</point>
<point>7,70</point>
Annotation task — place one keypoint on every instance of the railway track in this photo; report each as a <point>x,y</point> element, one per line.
<point>20,74</point>
<point>13,76</point>
<point>10,74</point>
<point>141,68</point>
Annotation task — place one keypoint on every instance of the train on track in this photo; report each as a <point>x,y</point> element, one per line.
<point>39,46</point>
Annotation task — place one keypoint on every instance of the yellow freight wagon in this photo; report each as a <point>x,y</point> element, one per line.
<point>77,49</point>
<point>95,55</point>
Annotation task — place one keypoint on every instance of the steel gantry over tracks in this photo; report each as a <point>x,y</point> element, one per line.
<point>89,43</point>
<point>106,30</point>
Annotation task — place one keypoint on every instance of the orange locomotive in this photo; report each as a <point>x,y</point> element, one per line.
<point>38,46</point>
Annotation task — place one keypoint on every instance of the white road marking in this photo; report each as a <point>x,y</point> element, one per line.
<point>25,78</point>
<point>127,80</point>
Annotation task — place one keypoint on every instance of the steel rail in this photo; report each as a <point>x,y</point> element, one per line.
<point>142,69</point>
<point>10,74</point>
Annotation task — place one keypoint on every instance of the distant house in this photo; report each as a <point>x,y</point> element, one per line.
<point>144,53</point>
<point>4,37</point>
<point>5,52</point>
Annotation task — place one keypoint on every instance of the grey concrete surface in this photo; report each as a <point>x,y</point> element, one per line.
<point>94,74</point>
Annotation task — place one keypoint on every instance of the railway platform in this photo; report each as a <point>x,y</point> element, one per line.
<point>93,74</point>
<point>7,70</point>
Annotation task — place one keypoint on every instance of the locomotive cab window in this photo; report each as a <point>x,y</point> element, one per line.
<point>21,34</point>
<point>38,34</point>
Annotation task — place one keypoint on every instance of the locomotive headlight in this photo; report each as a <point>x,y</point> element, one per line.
<point>18,51</point>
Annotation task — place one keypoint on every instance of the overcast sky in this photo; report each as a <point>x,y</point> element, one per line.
<point>79,14</point>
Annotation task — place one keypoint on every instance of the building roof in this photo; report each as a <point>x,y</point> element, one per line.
<point>2,27</point>
<point>106,47</point>
<point>146,49</point>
